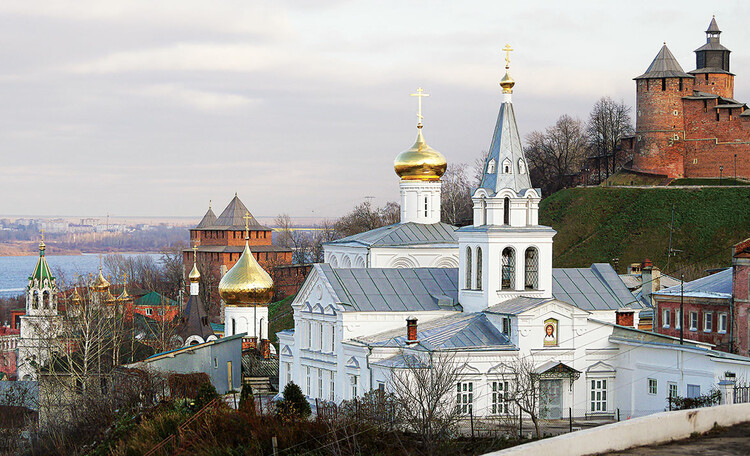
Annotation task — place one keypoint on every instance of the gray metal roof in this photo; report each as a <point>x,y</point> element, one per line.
<point>403,234</point>
<point>384,289</point>
<point>208,220</point>
<point>464,330</point>
<point>713,27</point>
<point>506,147</point>
<point>718,285</point>
<point>595,288</point>
<point>232,218</point>
<point>517,305</point>
<point>664,65</point>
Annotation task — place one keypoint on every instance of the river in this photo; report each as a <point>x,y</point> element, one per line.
<point>15,270</point>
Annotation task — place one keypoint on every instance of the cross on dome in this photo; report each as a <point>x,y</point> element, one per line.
<point>507,50</point>
<point>420,94</point>
<point>247,225</point>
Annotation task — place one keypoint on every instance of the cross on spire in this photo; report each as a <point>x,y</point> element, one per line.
<point>195,254</point>
<point>420,94</point>
<point>247,225</point>
<point>507,50</point>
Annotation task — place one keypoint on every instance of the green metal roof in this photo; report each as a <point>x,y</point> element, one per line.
<point>154,299</point>
<point>42,270</point>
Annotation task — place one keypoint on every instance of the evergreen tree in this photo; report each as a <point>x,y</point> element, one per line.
<point>206,393</point>
<point>294,404</point>
<point>247,401</point>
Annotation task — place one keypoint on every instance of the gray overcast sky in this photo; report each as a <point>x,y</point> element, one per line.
<point>143,107</point>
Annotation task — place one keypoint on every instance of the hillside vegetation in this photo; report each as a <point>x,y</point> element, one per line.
<point>599,224</point>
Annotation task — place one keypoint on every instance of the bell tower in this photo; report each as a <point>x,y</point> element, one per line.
<point>41,324</point>
<point>505,253</point>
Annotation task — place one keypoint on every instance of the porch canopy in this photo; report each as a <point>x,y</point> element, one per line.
<point>556,369</point>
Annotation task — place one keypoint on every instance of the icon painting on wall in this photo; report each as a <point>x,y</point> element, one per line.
<point>550,332</point>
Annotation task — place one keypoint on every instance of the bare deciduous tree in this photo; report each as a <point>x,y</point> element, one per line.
<point>455,204</point>
<point>608,122</point>
<point>557,154</point>
<point>425,393</point>
<point>365,217</point>
<point>525,391</point>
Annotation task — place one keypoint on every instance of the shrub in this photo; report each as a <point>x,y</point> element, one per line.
<point>713,397</point>
<point>294,405</point>
<point>206,393</point>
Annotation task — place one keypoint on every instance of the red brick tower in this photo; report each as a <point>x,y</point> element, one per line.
<point>712,65</point>
<point>659,116</point>
<point>741,297</point>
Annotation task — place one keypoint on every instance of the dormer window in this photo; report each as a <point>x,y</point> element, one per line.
<point>506,166</point>
<point>491,167</point>
<point>521,167</point>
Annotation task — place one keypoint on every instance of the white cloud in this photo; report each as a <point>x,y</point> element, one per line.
<point>200,99</point>
<point>184,57</point>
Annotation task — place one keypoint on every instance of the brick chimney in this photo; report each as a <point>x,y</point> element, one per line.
<point>650,279</point>
<point>265,348</point>
<point>625,317</point>
<point>411,330</point>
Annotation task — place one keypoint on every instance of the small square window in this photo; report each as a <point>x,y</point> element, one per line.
<point>652,386</point>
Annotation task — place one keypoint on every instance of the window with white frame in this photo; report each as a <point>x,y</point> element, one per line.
<point>320,383</point>
<point>665,318</point>
<point>332,386</point>
<point>499,397</point>
<point>723,320</point>
<point>652,386</point>
<point>708,322</point>
<point>677,319</point>
<point>149,311</point>
<point>694,321</point>
<point>308,333</point>
<point>598,401</point>
<point>333,338</point>
<point>672,389</point>
<point>354,385</point>
<point>321,336</point>
<point>308,388</point>
<point>288,367</point>
<point>465,397</point>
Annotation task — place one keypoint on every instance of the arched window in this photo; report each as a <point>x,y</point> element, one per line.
<point>35,300</point>
<point>484,211</point>
<point>468,268</point>
<point>506,166</point>
<point>532,269</point>
<point>506,211</point>
<point>491,167</point>
<point>234,327</point>
<point>508,278</point>
<point>479,268</point>
<point>521,166</point>
<point>45,300</point>
<point>425,207</point>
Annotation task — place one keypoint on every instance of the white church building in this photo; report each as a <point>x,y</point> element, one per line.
<point>358,320</point>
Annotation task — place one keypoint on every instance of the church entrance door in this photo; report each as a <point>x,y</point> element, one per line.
<point>550,400</point>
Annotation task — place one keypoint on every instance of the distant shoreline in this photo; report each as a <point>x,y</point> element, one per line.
<point>26,248</point>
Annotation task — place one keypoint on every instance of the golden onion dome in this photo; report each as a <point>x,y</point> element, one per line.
<point>100,283</point>
<point>420,162</point>
<point>246,283</point>
<point>195,275</point>
<point>76,297</point>
<point>108,297</point>
<point>507,83</point>
<point>124,296</point>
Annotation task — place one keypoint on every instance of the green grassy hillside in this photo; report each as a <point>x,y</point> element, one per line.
<point>599,224</point>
